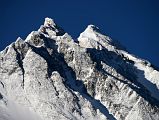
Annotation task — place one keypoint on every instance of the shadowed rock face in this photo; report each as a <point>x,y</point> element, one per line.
<point>55,78</point>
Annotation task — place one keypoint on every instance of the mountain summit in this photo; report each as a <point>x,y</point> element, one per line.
<point>50,76</point>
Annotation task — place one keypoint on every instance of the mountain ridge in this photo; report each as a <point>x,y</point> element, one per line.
<point>95,78</point>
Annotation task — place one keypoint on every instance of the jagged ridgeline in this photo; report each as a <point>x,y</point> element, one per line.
<point>50,76</point>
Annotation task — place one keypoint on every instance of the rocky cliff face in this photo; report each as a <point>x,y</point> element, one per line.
<point>49,76</point>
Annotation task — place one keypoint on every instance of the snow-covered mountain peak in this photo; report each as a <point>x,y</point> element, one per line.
<point>51,29</point>
<point>92,38</point>
<point>92,28</point>
<point>91,32</point>
<point>49,22</point>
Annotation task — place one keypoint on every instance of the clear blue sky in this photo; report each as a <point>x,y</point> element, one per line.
<point>135,23</point>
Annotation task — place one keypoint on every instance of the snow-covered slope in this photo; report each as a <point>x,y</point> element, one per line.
<point>49,76</point>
